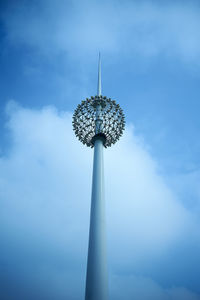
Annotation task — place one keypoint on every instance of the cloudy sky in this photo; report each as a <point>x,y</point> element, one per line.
<point>151,66</point>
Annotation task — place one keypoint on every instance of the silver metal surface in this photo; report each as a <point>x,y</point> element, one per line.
<point>98,122</point>
<point>99,77</point>
<point>96,281</point>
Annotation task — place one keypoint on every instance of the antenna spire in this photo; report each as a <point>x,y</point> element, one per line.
<point>99,77</point>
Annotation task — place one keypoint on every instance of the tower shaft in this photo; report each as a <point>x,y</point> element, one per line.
<point>96,280</point>
<point>98,122</point>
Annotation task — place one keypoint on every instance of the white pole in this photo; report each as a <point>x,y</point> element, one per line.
<point>99,77</point>
<point>96,280</point>
<point>109,125</point>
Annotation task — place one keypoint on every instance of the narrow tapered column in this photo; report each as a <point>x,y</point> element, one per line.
<point>96,280</point>
<point>98,122</point>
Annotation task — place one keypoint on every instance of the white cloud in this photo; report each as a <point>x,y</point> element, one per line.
<point>45,184</point>
<point>143,210</point>
<point>144,288</point>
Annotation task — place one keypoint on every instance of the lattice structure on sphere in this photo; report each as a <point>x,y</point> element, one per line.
<point>111,117</point>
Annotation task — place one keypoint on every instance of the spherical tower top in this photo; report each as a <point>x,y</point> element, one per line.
<point>98,116</point>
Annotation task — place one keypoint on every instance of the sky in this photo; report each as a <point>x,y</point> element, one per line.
<point>151,66</point>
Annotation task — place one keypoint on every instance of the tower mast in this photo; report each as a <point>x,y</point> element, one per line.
<point>98,122</point>
<point>99,77</point>
<point>96,279</point>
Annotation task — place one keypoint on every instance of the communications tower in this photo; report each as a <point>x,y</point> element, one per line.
<point>98,122</point>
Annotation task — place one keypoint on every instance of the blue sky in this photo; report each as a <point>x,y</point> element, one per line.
<point>150,65</point>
